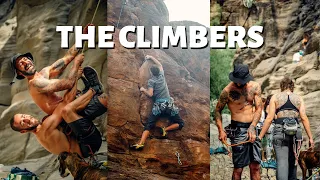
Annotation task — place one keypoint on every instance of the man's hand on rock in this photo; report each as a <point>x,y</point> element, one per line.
<point>142,89</point>
<point>147,57</point>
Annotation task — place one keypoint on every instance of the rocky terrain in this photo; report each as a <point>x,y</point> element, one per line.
<point>30,26</point>
<point>285,22</point>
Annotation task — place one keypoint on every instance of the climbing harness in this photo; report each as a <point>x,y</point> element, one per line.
<point>248,3</point>
<point>94,14</point>
<point>178,156</point>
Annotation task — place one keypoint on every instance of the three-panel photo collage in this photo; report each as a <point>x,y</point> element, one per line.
<point>159,89</point>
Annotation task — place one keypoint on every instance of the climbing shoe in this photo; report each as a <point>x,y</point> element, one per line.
<point>163,133</point>
<point>93,79</point>
<point>137,147</point>
<point>86,84</point>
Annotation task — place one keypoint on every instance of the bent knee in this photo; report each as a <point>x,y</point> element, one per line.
<point>237,170</point>
<point>66,110</point>
<point>254,166</point>
<point>181,124</point>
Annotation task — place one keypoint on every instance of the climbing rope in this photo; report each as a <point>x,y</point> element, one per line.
<point>130,14</point>
<point>94,14</point>
<point>231,145</point>
<point>248,3</point>
<point>124,3</point>
<point>178,156</point>
<point>317,170</point>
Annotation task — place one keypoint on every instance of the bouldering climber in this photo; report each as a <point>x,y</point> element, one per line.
<point>240,95</point>
<point>163,104</point>
<point>87,138</point>
<point>287,133</point>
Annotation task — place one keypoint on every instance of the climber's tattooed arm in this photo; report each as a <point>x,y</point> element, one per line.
<point>223,100</point>
<point>256,91</point>
<point>57,68</point>
<point>44,85</point>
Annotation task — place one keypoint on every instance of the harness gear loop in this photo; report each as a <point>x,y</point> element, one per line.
<point>94,14</point>
<point>178,156</point>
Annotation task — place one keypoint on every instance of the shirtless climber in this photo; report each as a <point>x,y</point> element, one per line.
<point>88,138</point>
<point>240,95</point>
<point>163,104</point>
<point>41,85</point>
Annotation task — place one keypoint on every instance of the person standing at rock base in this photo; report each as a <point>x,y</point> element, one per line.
<point>163,104</point>
<point>287,133</point>
<point>240,95</point>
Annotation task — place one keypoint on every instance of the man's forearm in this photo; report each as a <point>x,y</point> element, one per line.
<point>155,61</point>
<point>218,118</point>
<point>256,118</point>
<point>306,125</point>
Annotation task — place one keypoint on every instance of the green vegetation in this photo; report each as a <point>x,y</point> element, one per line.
<point>215,21</point>
<point>220,67</point>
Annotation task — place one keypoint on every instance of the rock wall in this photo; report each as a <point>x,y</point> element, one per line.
<point>187,75</point>
<point>284,22</point>
<point>30,26</point>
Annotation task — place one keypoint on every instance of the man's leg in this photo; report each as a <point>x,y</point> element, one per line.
<point>255,171</point>
<point>282,154</point>
<point>69,112</point>
<point>150,124</point>
<point>236,175</point>
<point>176,123</point>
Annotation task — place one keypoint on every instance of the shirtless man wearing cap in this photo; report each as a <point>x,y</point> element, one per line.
<point>43,87</point>
<point>240,95</point>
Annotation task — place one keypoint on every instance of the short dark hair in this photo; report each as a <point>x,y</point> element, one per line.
<point>155,70</point>
<point>286,83</point>
<point>12,125</point>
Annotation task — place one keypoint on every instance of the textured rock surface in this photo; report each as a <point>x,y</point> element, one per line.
<point>30,26</point>
<point>284,23</point>
<point>187,75</point>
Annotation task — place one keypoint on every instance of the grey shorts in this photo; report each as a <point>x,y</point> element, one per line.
<point>247,153</point>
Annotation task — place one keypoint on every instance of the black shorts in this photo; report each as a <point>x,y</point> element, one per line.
<point>152,119</point>
<point>88,136</point>
<point>244,154</point>
<point>93,109</point>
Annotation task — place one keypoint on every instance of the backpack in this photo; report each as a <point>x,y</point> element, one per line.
<point>21,174</point>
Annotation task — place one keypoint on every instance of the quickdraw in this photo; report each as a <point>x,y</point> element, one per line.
<point>178,156</point>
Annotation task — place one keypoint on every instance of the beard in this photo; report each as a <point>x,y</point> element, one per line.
<point>241,86</point>
<point>29,72</point>
<point>31,128</point>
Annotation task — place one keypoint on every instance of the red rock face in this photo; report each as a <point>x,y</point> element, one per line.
<point>187,75</point>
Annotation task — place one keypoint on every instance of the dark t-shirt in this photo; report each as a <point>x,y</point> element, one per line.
<point>159,85</point>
